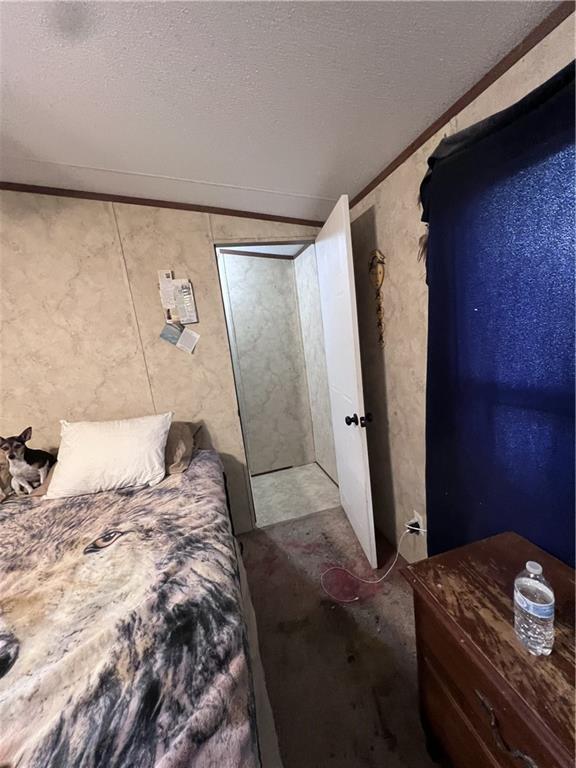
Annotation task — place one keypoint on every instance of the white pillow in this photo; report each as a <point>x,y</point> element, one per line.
<point>103,455</point>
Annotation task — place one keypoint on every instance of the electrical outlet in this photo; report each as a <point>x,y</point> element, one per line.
<point>416,524</point>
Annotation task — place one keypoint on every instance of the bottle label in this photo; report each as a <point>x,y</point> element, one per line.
<point>539,610</point>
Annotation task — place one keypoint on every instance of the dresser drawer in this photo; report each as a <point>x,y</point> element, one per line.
<point>442,715</point>
<point>513,735</point>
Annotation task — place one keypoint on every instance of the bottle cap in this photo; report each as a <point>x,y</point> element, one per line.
<point>534,568</point>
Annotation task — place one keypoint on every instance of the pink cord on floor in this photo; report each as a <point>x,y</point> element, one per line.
<point>359,578</point>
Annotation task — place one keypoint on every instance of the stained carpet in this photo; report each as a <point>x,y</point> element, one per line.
<point>341,677</point>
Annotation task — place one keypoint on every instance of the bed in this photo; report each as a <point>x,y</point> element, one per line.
<point>123,642</point>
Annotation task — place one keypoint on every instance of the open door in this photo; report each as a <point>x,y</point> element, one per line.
<point>338,302</point>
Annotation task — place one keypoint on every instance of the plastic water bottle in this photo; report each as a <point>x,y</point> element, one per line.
<point>534,610</point>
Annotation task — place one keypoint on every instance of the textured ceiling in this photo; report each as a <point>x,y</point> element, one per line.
<point>263,106</point>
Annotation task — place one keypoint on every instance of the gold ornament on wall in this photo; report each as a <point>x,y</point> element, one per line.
<point>377,272</point>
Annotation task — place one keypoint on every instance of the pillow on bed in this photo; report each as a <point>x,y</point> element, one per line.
<point>178,454</point>
<point>103,455</point>
<point>180,446</point>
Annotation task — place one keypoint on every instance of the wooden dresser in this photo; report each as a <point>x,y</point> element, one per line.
<point>485,701</point>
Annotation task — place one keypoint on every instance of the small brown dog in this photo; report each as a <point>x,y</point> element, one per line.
<point>28,467</point>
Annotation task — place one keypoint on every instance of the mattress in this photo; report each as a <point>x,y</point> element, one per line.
<point>122,637</point>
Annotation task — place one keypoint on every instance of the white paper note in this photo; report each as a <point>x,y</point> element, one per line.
<point>166,286</point>
<point>188,340</point>
<point>184,301</point>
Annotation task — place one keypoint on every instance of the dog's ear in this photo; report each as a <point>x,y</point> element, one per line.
<point>26,435</point>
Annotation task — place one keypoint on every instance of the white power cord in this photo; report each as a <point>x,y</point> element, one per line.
<point>409,529</point>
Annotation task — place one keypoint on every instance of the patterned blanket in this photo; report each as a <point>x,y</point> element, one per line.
<point>122,641</point>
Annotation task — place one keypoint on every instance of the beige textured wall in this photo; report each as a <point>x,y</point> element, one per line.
<point>80,319</point>
<point>389,219</point>
<point>268,361</point>
<point>308,289</point>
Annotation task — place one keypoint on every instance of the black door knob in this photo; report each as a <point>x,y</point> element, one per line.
<point>351,419</point>
<point>365,419</point>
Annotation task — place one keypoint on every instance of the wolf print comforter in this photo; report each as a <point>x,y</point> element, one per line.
<point>122,642</point>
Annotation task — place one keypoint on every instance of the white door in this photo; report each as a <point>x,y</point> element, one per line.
<point>338,301</point>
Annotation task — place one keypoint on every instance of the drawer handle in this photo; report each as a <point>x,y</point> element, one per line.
<point>500,743</point>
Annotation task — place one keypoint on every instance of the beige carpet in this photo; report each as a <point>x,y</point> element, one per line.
<point>341,678</point>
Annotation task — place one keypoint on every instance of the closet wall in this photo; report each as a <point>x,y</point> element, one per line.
<point>265,336</point>
<point>308,290</point>
<point>277,340</point>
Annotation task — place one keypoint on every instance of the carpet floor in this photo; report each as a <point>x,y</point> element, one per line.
<point>341,676</point>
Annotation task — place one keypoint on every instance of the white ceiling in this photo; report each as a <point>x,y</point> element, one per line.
<point>275,107</point>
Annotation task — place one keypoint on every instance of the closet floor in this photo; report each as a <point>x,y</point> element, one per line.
<point>292,493</point>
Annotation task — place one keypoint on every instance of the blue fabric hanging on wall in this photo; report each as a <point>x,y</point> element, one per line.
<point>499,199</point>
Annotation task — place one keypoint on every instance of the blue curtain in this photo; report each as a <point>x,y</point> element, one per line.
<point>499,199</point>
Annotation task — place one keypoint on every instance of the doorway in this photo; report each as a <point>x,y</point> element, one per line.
<point>273,314</point>
<point>293,332</point>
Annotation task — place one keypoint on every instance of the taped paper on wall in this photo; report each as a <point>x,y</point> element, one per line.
<point>185,304</point>
<point>165,278</point>
<point>177,298</point>
<point>188,340</point>
<point>181,337</point>
<point>172,332</point>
